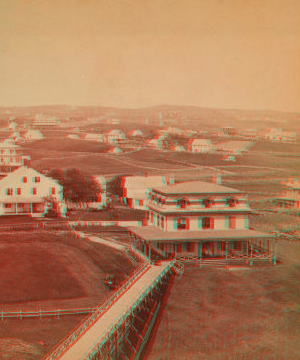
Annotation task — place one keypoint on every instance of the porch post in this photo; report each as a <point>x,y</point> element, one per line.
<point>31,208</point>
<point>251,261</point>
<point>149,252</point>
<point>271,257</point>
<point>16,205</point>
<point>200,250</point>
<point>175,250</point>
<point>247,251</point>
<point>226,247</point>
<point>275,257</point>
<point>263,246</point>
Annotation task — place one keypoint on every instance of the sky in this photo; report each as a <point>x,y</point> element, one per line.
<point>242,54</point>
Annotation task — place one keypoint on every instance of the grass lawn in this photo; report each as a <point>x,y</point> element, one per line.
<point>65,144</point>
<point>221,314</point>
<point>50,270</point>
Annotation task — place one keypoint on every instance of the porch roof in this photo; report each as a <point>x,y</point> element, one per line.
<point>21,200</point>
<point>152,233</point>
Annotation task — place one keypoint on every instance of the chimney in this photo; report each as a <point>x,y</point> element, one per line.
<point>217,179</point>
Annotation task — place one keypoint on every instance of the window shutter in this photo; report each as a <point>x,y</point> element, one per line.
<point>50,191</point>
<point>212,223</point>
<point>31,191</point>
<point>16,191</point>
<point>33,179</point>
<point>227,222</point>
<point>200,223</point>
<point>175,224</point>
<point>246,223</point>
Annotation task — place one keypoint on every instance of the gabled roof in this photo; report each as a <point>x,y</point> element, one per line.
<point>24,170</point>
<point>200,142</point>
<point>138,182</point>
<point>195,187</point>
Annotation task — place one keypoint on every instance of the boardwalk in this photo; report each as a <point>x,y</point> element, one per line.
<point>110,317</point>
<point>112,244</point>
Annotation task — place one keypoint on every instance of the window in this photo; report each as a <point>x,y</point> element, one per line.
<point>9,191</point>
<point>207,223</point>
<point>10,151</point>
<point>24,179</point>
<point>8,206</point>
<point>231,202</point>
<point>33,191</point>
<point>181,223</point>
<point>52,190</point>
<point>207,202</point>
<point>162,222</point>
<point>181,203</point>
<point>36,179</point>
<point>151,217</point>
<point>18,191</point>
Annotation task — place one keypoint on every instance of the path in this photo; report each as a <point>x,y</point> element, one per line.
<point>107,320</point>
<point>112,244</point>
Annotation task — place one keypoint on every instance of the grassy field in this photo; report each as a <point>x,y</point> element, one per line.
<point>65,144</point>
<point>50,270</point>
<point>221,314</point>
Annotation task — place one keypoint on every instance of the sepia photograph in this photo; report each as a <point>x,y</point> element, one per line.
<point>149,180</point>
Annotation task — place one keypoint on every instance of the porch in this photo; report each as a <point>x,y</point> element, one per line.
<point>247,251</point>
<point>22,208</point>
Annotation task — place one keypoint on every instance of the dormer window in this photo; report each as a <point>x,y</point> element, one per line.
<point>182,203</point>
<point>231,202</point>
<point>207,202</point>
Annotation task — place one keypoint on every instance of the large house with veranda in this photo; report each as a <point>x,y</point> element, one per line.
<point>197,220</point>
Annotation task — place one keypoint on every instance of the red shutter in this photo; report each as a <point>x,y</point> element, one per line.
<point>212,223</point>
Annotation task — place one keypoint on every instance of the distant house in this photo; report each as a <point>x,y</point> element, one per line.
<point>227,130</point>
<point>135,133</point>
<point>178,148</point>
<point>11,156</point>
<point>248,133</point>
<point>33,135</point>
<point>114,150</point>
<point>290,197</point>
<point>12,126</point>
<point>94,137</point>
<point>136,189</point>
<point>155,144</point>
<point>234,147</point>
<point>277,134</point>
<point>45,120</point>
<point>115,136</point>
<point>24,190</point>
<point>15,136</point>
<point>200,145</point>
<point>72,136</point>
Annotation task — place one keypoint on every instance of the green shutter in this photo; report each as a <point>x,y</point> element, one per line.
<point>175,224</point>
<point>200,223</point>
<point>227,221</point>
<point>247,223</point>
<point>33,179</point>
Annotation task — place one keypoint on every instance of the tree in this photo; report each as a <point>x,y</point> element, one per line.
<point>79,187</point>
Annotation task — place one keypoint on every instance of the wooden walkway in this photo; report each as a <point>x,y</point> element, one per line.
<point>107,320</point>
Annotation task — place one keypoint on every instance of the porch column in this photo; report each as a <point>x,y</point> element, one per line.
<point>149,252</point>
<point>175,249</point>
<point>30,208</point>
<point>226,248</point>
<point>16,205</point>
<point>251,261</point>
<point>275,256</point>
<point>200,250</point>
<point>263,246</point>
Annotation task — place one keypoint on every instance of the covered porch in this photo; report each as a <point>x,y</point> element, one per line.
<point>249,250</point>
<point>22,208</point>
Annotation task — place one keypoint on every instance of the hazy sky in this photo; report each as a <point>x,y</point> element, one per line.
<point>134,53</point>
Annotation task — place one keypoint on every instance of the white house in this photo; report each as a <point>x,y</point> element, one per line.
<point>290,197</point>
<point>136,189</point>
<point>114,136</point>
<point>45,120</point>
<point>114,150</point>
<point>33,135</point>
<point>155,144</point>
<point>200,145</point>
<point>12,126</point>
<point>23,192</point>
<point>94,137</point>
<point>135,133</point>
